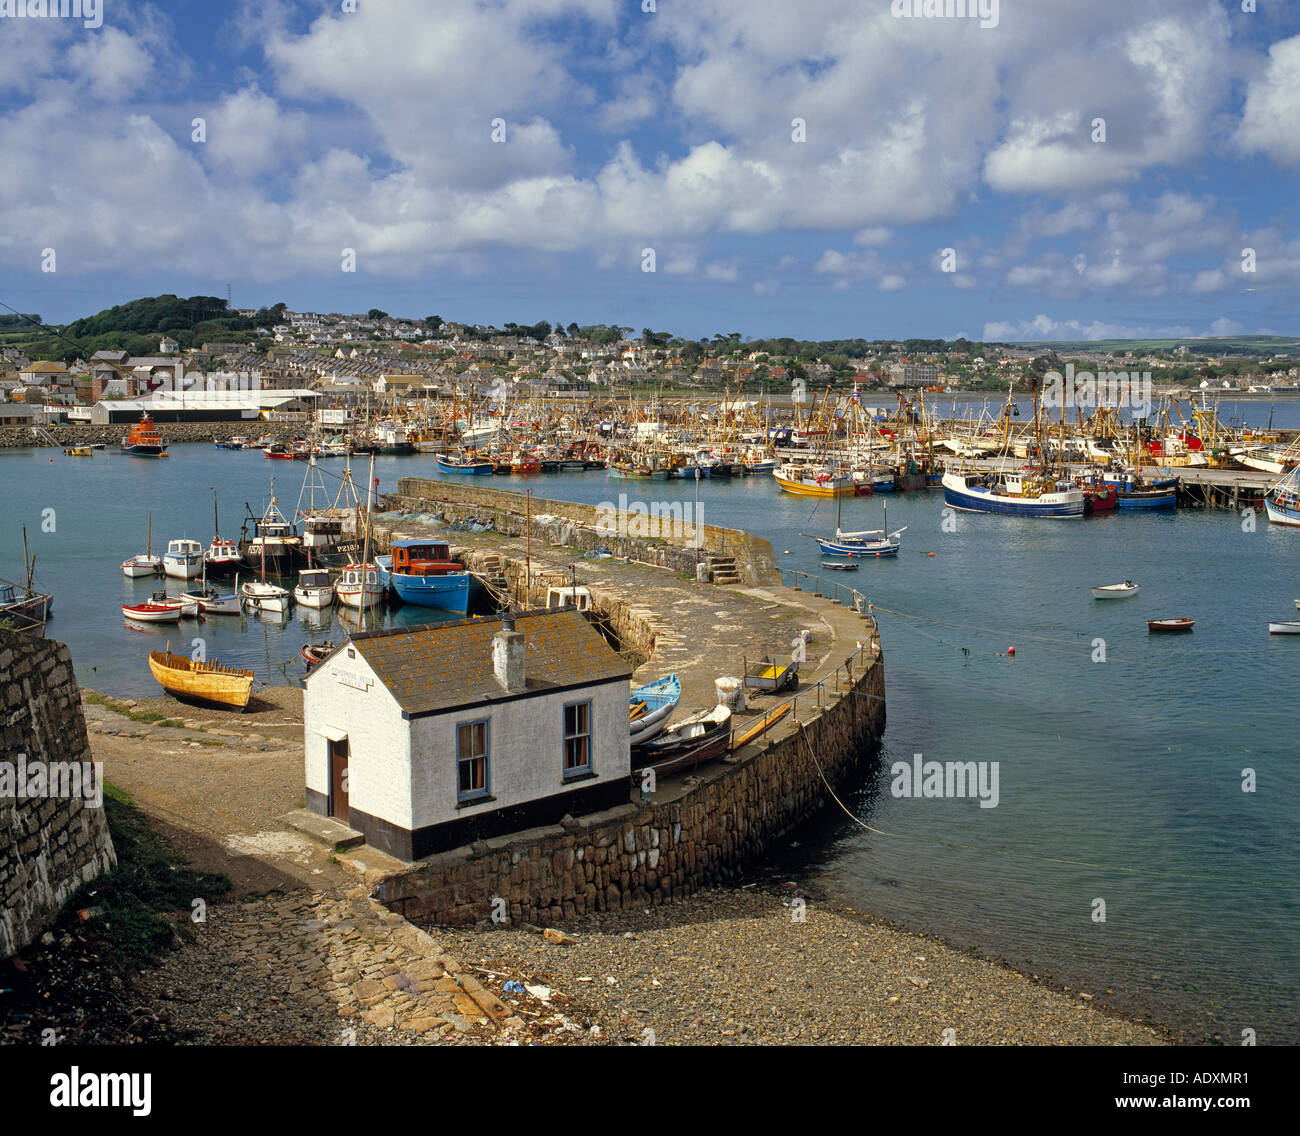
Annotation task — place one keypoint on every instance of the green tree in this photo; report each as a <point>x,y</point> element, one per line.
<point>376,314</point>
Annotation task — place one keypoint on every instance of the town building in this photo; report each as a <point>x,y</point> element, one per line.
<point>428,738</point>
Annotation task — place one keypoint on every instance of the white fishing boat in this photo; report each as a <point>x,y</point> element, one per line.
<point>1115,591</point>
<point>314,588</point>
<point>1285,627</point>
<point>260,595</point>
<point>1282,502</point>
<point>146,564</point>
<point>360,586</point>
<point>183,559</point>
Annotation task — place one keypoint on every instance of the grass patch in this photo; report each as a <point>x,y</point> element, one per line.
<point>146,900</point>
<point>147,717</point>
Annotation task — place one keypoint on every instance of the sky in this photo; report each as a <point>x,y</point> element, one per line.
<point>1054,169</point>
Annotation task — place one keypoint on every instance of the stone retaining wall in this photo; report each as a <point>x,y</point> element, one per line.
<point>84,434</point>
<point>688,835</point>
<point>49,845</point>
<point>574,525</point>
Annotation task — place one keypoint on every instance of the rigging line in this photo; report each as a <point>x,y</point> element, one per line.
<point>1020,856</point>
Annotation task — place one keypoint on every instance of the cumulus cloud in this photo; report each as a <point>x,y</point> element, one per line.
<point>1272,109</point>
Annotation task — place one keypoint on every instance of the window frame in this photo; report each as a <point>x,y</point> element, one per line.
<point>472,795</point>
<point>587,769</point>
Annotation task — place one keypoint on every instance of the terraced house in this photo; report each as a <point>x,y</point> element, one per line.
<point>428,738</point>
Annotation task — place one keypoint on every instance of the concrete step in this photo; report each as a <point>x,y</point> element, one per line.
<point>328,831</point>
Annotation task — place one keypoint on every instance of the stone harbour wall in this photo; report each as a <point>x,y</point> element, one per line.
<point>574,525</point>
<point>173,433</point>
<point>688,834</point>
<point>49,844</point>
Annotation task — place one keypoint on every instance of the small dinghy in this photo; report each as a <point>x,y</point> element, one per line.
<point>833,567</point>
<point>313,653</point>
<point>687,743</point>
<point>1170,625</point>
<point>1285,627</point>
<point>650,707</point>
<point>158,609</point>
<point>1115,591</point>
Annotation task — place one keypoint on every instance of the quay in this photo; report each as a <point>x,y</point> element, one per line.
<point>677,835</point>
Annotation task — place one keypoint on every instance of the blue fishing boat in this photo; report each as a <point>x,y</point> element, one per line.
<point>1012,494</point>
<point>422,572</point>
<point>650,707</point>
<point>1132,493</point>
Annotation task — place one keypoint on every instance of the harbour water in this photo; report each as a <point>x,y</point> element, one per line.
<point>1120,780</point>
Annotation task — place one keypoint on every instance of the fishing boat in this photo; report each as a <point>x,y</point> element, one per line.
<point>1169,626</point>
<point>1285,627</point>
<point>274,543</point>
<point>1115,591</point>
<point>78,452</point>
<point>814,481</point>
<point>146,564</point>
<point>687,743</point>
<point>143,441</point>
<point>1282,501</point>
<point>360,586</point>
<point>159,609</point>
<point>183,559</point>
<point>422,572</point>
<point>207,682</point>
<point>868,542</point>
<point>650,707</point>
<point>222,556</point>
<point>262,595</point>
<point>314,588</point>
<point>312,653</point>
<point>23,609</point>
<point>208,601</point>
<point>1012,494</point>
<point>463,463</point>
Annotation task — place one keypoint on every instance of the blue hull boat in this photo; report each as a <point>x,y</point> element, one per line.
<point>449,592</point>
<point>968,492</point>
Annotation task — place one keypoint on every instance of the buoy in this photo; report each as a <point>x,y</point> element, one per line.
<point>1011,650</point>
<point>787,551</point>
<point>929,554</point>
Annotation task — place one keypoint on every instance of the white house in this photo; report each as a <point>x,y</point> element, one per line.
<point>429,738</point>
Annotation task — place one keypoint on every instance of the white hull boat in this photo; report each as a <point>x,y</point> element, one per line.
<point>140,566</point>
<point>1285,627</point>
<point>257,595</point>
<point>183,559</point>
<point>314,589</point>
<point>1116,591</point>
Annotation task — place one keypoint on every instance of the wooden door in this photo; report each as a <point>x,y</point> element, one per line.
<point>339,780</point>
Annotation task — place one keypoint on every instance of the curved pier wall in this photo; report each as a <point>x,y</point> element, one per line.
<point>575,525</point>
<point>686,835</point>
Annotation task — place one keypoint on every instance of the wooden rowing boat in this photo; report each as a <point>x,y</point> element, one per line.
<point>209,682</point>
<point>1170,625</point>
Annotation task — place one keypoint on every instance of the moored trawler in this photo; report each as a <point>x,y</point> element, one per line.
<point>1012,494</point>
<point>422,572</point>
<point>814,481</point>
<point>143,440</point>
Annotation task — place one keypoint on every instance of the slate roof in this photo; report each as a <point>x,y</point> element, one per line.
<point>443,666</point>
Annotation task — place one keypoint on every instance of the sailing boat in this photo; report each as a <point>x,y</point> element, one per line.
<point>146,564</point>
<point>868,542</point>
<point>360,586</point>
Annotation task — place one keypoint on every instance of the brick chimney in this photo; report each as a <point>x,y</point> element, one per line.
<point>508,656</point>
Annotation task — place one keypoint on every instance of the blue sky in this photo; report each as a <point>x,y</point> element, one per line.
<point>672,130</point>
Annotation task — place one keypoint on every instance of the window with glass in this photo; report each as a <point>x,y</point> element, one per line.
<point>472,760</point>
<point>577,738</point>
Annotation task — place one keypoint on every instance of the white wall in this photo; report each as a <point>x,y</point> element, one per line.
<point>379,781</point>
<point>526,751</point>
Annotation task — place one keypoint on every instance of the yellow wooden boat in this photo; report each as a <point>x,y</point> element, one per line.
<point>79,452</point>
<point>805,481</point>
<point>202,682</point>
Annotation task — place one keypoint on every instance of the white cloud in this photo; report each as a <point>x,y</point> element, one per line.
<point>1272,111</point>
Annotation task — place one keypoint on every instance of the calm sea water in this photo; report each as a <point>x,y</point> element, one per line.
<point>1119,781</point>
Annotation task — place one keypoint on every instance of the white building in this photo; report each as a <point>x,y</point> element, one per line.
<point>429,738</point>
